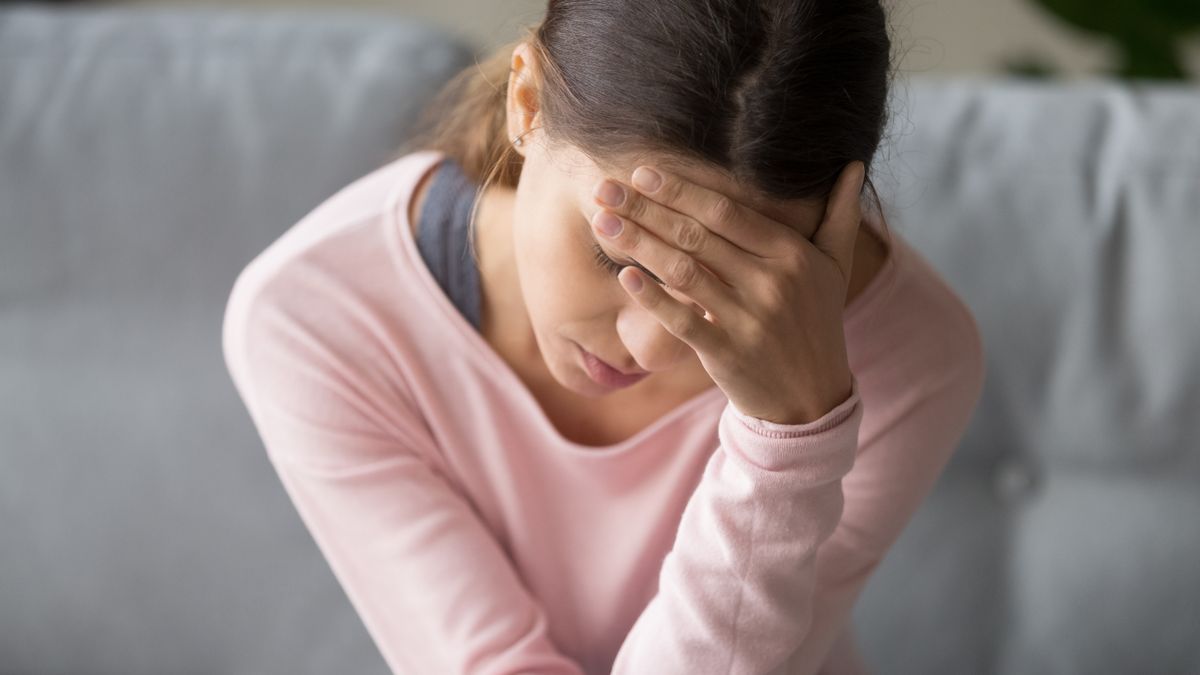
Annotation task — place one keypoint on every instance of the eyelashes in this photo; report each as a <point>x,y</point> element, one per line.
<point>613,267</point>
<point>604,262</point>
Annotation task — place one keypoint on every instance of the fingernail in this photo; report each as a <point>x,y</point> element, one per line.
<point>608,224</point>
<point>646,179</point>
<point>633,282</point>
<point>610,193</point>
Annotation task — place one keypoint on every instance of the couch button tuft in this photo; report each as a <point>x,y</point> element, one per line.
<point>1014,479</point>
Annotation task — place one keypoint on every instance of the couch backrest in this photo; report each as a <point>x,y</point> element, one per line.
<point>1064,536</point>
<point>147,155</point>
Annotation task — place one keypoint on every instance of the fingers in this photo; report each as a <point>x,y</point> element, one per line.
<point>677,269</point>
<point>838,232</point>
<point>678,230</point>
<point>727,218</point>
<point>681,320</point>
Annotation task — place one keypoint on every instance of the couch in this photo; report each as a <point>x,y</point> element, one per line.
<point>148,153</point>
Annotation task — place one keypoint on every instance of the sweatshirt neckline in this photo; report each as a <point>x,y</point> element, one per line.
<point>396,210</point>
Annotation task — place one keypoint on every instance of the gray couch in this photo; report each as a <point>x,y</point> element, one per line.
<point>147,155</point>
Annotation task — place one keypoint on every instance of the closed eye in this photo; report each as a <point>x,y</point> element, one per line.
<point>614,267</point>
<point>605,262</point>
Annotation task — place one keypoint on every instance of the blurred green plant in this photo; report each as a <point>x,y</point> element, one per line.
<point>1148,32</point>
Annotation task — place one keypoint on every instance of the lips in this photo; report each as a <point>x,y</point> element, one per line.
<point>634,373</point>
<point>603,373</point>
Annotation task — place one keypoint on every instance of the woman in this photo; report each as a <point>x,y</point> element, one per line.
<point>516,461</point>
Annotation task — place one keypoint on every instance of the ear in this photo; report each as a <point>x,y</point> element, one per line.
<point>521,102</point>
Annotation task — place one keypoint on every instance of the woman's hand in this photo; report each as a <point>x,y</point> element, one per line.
<point>771,337</point>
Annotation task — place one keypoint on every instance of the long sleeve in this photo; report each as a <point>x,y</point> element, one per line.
<point>736,591</point>
<point>433,588</point>
<point>789,522</point>
<point>741,590</point>
<point>923,403</point>
<point>781,536</point>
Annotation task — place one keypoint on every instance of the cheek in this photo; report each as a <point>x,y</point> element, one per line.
<point>546,261</point>
<point>559,276</point>
<point>534,245</point>
<point>550,243</point>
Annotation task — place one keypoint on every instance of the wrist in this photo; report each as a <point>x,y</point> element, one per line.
<point>819,405</point>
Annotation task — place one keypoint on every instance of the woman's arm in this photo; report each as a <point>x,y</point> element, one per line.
<point>736,592</point>
<point>771,551</point>
<point>432,586</point>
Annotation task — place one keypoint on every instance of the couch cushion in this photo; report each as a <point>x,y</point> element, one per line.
<point>1062,537</point>
<point>148,155</point>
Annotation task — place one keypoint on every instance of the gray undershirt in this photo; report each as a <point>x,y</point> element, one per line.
<point>442,237</point>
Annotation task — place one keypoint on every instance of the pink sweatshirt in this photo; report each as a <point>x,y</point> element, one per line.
<point>471,537</point>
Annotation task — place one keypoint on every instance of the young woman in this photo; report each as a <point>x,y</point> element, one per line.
<point>527,446</point>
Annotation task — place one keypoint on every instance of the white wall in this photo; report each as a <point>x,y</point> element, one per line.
<point>931,36</point>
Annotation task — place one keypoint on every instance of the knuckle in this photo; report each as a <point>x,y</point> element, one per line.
<point>683,274</point>
<point>687,330</point>
<point>723,209</point>
<point>629,239</point>
<point>775,299</point>
<point>669,190</point>
<point>779,293</point>
<point>758,336</point>
<point>799,265</point>
<point>794,264</point>
<point>685,327</point>
<point>639,208</point>
<point>689,236</point>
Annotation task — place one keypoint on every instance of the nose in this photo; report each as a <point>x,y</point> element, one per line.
<point>649,342</point>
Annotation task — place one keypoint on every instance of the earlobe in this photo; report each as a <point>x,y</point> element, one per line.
<point>522,100</point>
<point>514,113</point>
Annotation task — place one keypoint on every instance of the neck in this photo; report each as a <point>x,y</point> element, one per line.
<point>503,316</point>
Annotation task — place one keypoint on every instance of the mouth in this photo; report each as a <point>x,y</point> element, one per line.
<point>603,373</point>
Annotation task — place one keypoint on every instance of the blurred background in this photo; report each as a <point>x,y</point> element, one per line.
<point>1044,158</point>
<point>1072,38</point>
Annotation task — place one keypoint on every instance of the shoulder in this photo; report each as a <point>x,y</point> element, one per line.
<point>870,256</point>
<point>345,242</point>
<point>312,352</point>
<point>329,289</point>
<point>921,333</point>
<point>416,204</point>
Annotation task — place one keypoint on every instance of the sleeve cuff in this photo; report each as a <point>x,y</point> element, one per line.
<point>824,445</point>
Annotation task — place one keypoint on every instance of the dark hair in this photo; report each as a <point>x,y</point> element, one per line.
<point>779,94</point>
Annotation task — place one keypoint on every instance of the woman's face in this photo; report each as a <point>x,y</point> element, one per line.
<point>571,299</point>
<point>570,296</point>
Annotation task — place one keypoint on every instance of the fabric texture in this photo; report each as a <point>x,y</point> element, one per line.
<point>147,153</point>
<point>443,238</point>
<point>473,537</point>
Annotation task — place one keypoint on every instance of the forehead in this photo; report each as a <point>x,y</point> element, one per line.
<point>586,172</point>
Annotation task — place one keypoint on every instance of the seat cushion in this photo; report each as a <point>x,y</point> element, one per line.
<point>147,156</point>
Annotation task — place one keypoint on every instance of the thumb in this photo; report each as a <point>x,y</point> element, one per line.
<point>843,213</point>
